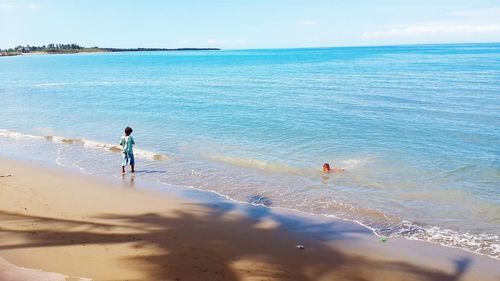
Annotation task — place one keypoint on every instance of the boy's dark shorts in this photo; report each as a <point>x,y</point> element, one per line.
<point>127,158</point>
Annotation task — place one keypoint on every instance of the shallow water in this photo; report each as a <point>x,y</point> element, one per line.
<point>417,128</point>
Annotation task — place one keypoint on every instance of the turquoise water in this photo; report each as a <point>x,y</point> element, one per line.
<point>417,128</point>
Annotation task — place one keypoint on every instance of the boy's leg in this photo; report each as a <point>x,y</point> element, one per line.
<point>124,162</point>
<point>132,162</point>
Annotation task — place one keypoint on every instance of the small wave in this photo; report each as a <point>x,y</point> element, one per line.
<point>90,144</point>
<point>483,243</point>
<point>257,164</point>
<point>19,136</point>
<point>459,170</point>
<point>111,147</point>
<point>54,84</point>
<point>350,164</point>
<point>86,83</point>
<point>150,155</point>
<point>66,140</point>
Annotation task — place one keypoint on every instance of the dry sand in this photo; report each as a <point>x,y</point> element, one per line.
<point>75,226</point>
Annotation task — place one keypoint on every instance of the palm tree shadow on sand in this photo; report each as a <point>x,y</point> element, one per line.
<point>220,247</point>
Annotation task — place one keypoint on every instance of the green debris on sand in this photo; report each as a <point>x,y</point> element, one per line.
<point>382,239</point>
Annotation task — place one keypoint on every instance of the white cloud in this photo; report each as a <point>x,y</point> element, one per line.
<point>306,23</point>
<point>435,29</point>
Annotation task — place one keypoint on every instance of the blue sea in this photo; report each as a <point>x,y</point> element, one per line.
<point>417,129</point>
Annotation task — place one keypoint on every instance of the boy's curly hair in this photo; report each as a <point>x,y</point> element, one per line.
<point>128,131</point>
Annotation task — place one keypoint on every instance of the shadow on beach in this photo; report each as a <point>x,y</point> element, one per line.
<point>207,244</point>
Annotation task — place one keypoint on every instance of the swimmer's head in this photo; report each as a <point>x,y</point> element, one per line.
<point>326,168</point>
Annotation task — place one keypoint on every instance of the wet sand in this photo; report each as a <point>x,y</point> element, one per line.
<point>56,223</point>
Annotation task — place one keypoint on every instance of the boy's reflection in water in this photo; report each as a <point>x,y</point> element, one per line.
<point>129,181</point>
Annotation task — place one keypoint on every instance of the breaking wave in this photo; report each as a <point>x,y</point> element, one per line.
<point>90,144</point>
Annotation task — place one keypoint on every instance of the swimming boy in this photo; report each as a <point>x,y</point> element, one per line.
<point>127,143</point>
<point>327,169</point>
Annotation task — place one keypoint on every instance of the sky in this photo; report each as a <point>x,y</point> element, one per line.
<point>247,24</point>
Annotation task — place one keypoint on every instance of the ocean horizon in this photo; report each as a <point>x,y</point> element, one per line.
<point>416,127</point>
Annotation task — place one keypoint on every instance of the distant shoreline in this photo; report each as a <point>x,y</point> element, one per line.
<point>101,50</point>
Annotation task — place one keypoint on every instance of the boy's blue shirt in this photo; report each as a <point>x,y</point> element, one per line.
<point>127,143</point>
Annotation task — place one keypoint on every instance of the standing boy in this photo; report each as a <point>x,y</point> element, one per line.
<point>127,143</point>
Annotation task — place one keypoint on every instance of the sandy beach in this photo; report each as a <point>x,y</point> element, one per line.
<point>57,224</point>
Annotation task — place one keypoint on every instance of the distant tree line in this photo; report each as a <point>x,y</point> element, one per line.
<point>75,48</point>
<point>45,48</point>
